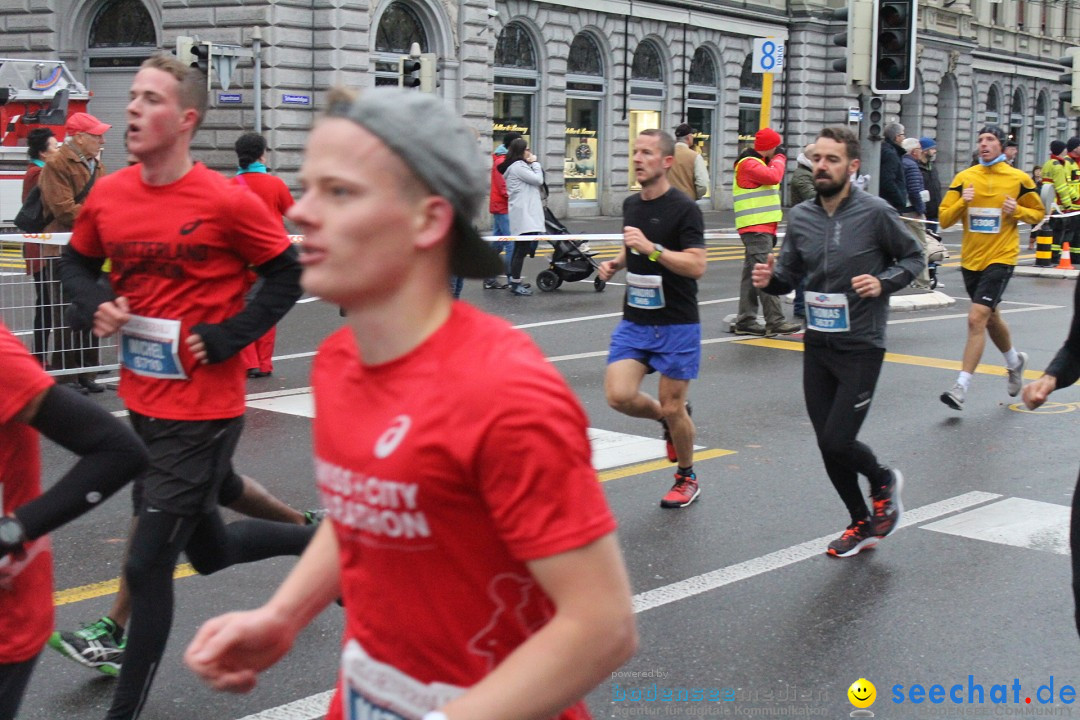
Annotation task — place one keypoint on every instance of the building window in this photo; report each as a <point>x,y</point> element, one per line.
<point>399,28</point>
<point>702,97</point>
<point>647,64</point>
<point>703,69</point>
<point>585,88</point>
<point>750,84</point>
<point>584,57</point>
<point>1039,125</point>
<point>516,80</point>
<point>646,97</point>
<point>1016,123</point>
<point>993,106</point>
<point>125,23</point>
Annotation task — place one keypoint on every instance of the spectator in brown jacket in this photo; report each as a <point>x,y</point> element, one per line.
<point>64,182</point>
<point>40,145</point>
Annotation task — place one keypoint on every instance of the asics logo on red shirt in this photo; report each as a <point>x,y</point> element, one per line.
<point>190,227</point>
<point>388,442</point>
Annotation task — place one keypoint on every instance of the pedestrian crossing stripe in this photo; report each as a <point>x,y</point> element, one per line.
<point>1013,521</point>
<point>609,449</point>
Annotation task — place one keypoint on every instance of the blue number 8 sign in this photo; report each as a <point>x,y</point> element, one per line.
<point>768,55</point>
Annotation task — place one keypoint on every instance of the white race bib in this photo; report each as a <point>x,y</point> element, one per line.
<point>827,312</point>
<point>645,292</point>
<point>375,690</point>
<point>984,220</point>
<point>151,347</point>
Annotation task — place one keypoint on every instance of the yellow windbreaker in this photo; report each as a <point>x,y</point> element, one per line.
<point>990,235</point>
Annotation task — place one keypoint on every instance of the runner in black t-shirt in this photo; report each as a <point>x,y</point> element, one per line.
<point>660,330</point>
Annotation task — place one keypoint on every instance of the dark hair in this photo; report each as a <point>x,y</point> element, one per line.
<point>510,137</point>
<point>667,143</point>
<point>845,136</point>
<point>37,142</point>
<point>515,152</point>
<point>249,148</point>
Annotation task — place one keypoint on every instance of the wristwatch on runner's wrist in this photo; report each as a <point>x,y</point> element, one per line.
<point>12,534</point>
<point>657,252</point>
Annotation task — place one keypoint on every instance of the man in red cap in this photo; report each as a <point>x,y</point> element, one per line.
<point>756,193</point>
<point>65,182</point>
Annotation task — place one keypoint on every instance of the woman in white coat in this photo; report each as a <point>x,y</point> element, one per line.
<point>524,177</point>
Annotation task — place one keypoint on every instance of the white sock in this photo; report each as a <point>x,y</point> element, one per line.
<point>1012,358</point>
<point>964,380</point>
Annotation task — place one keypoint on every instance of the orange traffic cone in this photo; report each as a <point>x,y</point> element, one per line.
<point>1066,260</point>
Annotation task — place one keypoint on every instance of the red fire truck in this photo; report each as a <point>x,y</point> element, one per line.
<point>33,93</point>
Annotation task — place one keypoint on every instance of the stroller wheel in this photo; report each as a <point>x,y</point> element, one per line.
<point>548,281</point>
<point>599,284</point>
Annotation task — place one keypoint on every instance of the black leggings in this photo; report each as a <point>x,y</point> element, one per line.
<point>156,544</point>
<point>521,249</point>
<point>1074,544</point>
<point>838,386</point>
<point>14,677</point>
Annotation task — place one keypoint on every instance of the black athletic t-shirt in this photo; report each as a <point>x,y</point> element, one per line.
<point>674,221</point>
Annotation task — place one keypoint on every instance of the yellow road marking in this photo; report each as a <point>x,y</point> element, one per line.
<point>898,358</point>
<point>110,587</point>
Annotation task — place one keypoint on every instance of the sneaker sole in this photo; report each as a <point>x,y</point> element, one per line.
<point>896,501</point>
<point>676,505</point>
<point>949,400</point>
<point>106,667</point>
<point>1020,372</point>
<point>864,545</point>
<point>754,334</point>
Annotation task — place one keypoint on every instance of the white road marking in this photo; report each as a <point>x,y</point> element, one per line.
<point>315,705</point>
<point>1013,521</point>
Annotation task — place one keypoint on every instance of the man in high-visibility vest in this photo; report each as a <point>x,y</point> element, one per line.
<point>1071,226</point>
<point>756,193</point>
<point>1057,194</point>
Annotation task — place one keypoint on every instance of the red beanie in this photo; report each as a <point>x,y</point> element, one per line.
<point>766,139</point>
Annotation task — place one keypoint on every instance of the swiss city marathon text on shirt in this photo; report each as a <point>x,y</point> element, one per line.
<point>375,505</point>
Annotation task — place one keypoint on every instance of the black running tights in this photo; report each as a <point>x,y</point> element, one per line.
<point>521,250</point>
<point>154,548</point>
<point>14,677</point>
<point>838,386</point>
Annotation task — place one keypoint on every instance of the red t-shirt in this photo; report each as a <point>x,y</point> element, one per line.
<point>271,189</point>
<point>178,253</point>
<point>444,472</point>
<point>26,596</point>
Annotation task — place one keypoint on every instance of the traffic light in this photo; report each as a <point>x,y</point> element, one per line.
<point>856,38</point>
<point>1071,96</point>
<point>429,72</point>
<point>184,44</point>
<point>203,53</point>
<point>893,51</point>
<point>874,114</point>
<point>408,72</point>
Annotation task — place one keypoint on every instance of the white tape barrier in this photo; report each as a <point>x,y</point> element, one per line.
<point>63,238</point>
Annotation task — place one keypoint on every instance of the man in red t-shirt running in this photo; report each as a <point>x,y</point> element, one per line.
<point>469,540</point>
<point>180,237</point>
<point>110,456</point>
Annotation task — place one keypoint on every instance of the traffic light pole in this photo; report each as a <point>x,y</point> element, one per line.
<point>870,145</point>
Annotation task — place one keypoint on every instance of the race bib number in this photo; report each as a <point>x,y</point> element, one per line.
<point>984,220</point>
<point>645,292</point>
<point>827,312</point>
<point>376,690</point>
<point>151,347</point>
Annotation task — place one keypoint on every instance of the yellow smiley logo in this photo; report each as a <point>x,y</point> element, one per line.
<point>862,693</point>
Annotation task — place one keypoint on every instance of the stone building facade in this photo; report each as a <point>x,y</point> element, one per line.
<point>579,78</point>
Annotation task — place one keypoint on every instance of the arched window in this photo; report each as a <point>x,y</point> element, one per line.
<point>702,68</point>
<point>1040,123</point>
<point>1016,124</point>
<point>647,64</point>
<point>749,103</point>
<point>124,23</point>
<point>584,57</point>
<point>399,27</point>
<point>993,106</point>
<point>516,81</point>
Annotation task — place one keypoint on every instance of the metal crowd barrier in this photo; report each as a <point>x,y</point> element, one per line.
<point>33,308</point>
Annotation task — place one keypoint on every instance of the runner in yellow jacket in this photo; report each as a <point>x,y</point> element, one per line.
<point>989,198</point>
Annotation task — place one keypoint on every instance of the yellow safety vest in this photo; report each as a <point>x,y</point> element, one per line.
<point>755,206</point>
<point>1072,176</point>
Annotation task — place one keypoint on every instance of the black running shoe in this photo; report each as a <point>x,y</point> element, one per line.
<point>857,537</point>
<point>93,646</point>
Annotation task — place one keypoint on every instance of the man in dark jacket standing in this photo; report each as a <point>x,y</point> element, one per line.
<point>931,181</point>
<point>891,185</point>
<point>915,212</point>
<point>853,252</point>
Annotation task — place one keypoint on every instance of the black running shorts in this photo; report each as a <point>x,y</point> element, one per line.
<point>987,286</point>
<point>189,462</point>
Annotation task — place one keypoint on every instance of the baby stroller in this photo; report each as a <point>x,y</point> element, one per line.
<point>570,260</point>
<point>935,253</point>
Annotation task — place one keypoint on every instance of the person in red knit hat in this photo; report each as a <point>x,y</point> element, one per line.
<point>756,194</point>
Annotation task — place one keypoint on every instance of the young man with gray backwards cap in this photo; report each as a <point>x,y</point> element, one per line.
<point>989,198</point>
<point>469,541</point>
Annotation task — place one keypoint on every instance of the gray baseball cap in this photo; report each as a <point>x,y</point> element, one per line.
<point>441,150</point>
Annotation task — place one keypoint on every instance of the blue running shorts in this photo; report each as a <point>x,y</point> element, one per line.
<point>672,350</point>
